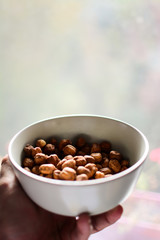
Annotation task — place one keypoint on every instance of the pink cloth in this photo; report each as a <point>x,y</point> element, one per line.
<point>155,155</point>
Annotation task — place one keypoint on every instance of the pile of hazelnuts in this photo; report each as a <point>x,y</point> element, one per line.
<point>80,161</point>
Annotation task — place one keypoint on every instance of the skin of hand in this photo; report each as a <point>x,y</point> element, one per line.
<point>21,219</point>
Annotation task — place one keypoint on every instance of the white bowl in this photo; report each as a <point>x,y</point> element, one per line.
<point>71,198</point>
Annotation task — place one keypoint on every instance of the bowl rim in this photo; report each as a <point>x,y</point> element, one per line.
<point>78,183</point>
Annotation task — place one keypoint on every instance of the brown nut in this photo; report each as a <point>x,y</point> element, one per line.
<point>28,150</point>
<point>115,155</point>
<point>35,170</point>
<point>27,169</point>
<point>97,157</point>
<point>47,168</point>
<point>92,167</point>
<point>56,174</point>
<point>105,162</point>
<point>40,143</point>
<point>108,175</point>
<point>80,142</point>
<point>68,157</point>
<point>42,175</point>
<point>106,170</point>
<point>63,143</point>
<point>95,148</point>
<point>80,153</point>
<point>86,149</point>
<point>81,177</point>
<point>83,170</point>
<point>69,150</point>
<point>28,162</point>
<point>48,175</point>
<point>36,150</point>
<point>104,155</point>
<point>69,163</point>
<point>95,160</point>
<point>89,159</point>
<point>80,160</point>
<point>99,174</point>
<point>40,158</point>
<point>115,165</point>
<point>53,141</point>
<point>123,168</point>
<point>125,163</point>
<point>99,166</point>
<point>53,158</point>
<point>68,174</point>
<point>105,146</point>
<point>49,149</point>
<point>59,165</point>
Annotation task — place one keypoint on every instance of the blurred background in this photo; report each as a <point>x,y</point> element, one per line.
<point>94,57</point>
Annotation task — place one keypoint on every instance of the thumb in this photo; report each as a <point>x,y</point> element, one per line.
<point>6,170</point>
<point>83,227</point>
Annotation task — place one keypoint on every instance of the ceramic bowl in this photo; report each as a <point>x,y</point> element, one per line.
<point>71,198</point>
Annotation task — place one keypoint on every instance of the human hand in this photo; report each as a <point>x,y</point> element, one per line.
<point>22,219</point>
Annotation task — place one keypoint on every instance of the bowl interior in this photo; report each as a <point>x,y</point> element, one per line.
<point>124,138</point>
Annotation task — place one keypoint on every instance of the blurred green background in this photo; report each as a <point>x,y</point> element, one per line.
<point>67,57</point>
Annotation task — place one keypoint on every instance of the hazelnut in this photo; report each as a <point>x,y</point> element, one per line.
<point>53,141</point>
<point>53,158</point>
<point>68,157</point>
<point>97,157</point>
<point>80,160</point>
<point>123,168</point>
<point>36,150</point>
<point>69,150</point>
<point>115,155</point>
<point>69,163</point>
<point>92,168</point>
<point>49,149</point>
<point>106,170</point>
<point>27,169</point>
<point>42,175</point>
<point>80,142</point>
<point>81,177</point>
<point>63,143</point>
<point>99,166</point>
<point>28,150</point>
<point>35,170</point>
<point>56,174</point>
<point>105,162</point>
<point>89,159</point>
<point>105,146</point>
<point>60,163</point>
<point>99,174</point>
<point>95,148</point>
<point>83,170</point>
<point>80,153</point>
<point>104,155</point>
<point>40,158</point>
<point>115,165</point>
<point>125,163</point>
<point>40,143</point>
<point>48,175</point>
<point>86,149</point>
<point>108,175</point>
<point>68,174</point>
<point>28,162</point>
<point>47,168</point>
